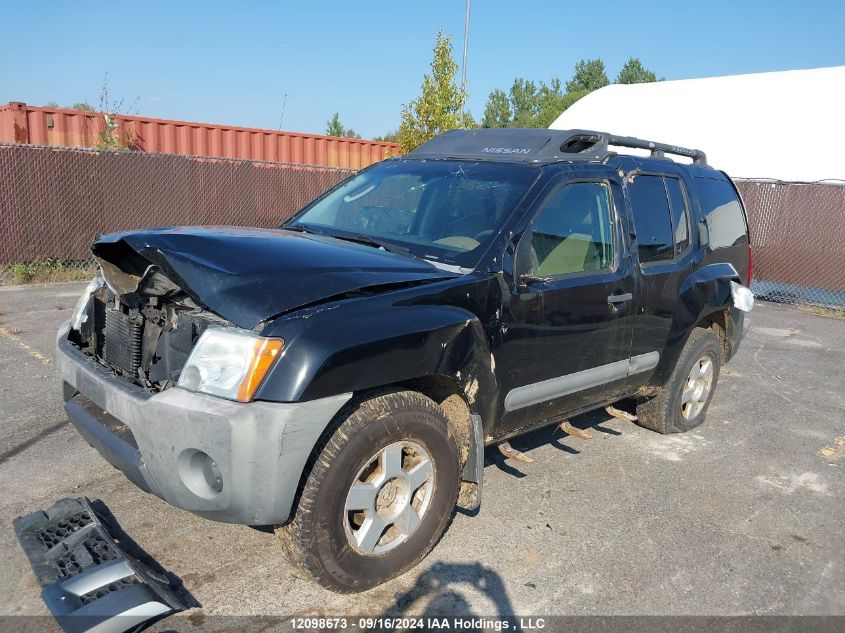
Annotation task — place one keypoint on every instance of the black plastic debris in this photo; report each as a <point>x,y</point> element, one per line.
<point>88,580</point>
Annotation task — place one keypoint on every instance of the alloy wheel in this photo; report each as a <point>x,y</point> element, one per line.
<point>389,498</point>
<point>697,388</point>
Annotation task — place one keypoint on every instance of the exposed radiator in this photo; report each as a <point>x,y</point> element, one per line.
<point>122,345</point>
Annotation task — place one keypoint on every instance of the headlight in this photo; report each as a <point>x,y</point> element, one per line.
<point>80,311</point>
<point>229,363</point>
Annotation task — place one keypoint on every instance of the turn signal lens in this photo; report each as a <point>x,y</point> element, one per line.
<point>265,351</point>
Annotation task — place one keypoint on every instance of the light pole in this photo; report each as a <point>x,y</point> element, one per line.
<point>464,65</point>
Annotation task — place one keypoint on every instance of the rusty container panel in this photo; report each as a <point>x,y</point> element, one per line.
<point>20,123</point>
<point>13,126</point>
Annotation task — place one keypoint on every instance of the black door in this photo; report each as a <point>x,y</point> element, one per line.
<point>660,209</point>
<point>566,342</point>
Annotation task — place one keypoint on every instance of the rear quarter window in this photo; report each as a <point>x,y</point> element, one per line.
<point>652,218</point>
<point>723,211</point>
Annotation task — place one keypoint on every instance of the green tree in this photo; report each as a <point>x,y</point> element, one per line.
<point>633,72</point>
<point>497,112</point>
<point>589,75</point>
<point>79,105</point>
<point>388,137</point>
<point>555,105</point>
<point>440,105</point>
<point>530,104</point>
<point>553,101</point>
<point>524,102</point>
<point>335,128</point>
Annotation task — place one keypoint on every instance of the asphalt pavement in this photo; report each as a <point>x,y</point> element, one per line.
<point>743,515</point>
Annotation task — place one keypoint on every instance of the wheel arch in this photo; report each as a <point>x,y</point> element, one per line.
<point>705,300</point>
<point>464,425</point>
<point>442,352</point>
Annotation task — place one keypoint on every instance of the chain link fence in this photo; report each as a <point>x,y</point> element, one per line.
<point>54,201</point>
<point>798,237</point>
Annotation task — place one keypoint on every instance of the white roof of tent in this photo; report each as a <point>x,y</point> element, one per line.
<point>781,125</point>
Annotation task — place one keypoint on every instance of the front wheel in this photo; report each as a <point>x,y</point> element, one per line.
<point>379,496</point>
<point>682,402</point>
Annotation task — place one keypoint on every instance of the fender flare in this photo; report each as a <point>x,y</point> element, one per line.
<point>330,351</point>
<point>705,291</point>
<point>326,353</point>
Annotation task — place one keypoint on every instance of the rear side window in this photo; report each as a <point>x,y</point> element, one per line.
<point>725,219</point>
<point>652,220</point>
<point>680,213</point>
<point>661,216</point>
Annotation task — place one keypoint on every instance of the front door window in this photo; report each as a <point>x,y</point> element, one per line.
<point>573,232</point>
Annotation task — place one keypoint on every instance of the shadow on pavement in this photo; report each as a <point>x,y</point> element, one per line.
<point>441,592</point>
<point>552,435</point>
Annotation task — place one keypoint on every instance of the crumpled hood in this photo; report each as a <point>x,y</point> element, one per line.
<point>249,275</point>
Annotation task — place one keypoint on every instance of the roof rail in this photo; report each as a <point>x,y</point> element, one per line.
<point>598,142</point>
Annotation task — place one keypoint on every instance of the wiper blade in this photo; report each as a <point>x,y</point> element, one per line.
<point>370,241</point>
<point>302,228</point>
<point>358,239</point>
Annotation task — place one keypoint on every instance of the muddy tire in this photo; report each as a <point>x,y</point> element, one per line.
<point>681,404</point>
<point>379,495</point>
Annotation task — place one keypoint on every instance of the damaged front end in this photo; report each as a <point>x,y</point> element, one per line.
<point>138,322</point>
<point>161,289</point>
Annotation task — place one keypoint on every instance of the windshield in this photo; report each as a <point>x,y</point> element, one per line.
<point>443,211</point>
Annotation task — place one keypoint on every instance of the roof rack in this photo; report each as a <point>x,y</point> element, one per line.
<point>539,144</point>
<point>601,140</point>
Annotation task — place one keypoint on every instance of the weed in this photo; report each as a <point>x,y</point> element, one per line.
<point>20,273</point>
<point>823,311</point>
<point>113,136</point>
<point>47,270</point>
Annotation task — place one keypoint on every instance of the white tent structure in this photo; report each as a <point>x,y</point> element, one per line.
<point>786,126</point>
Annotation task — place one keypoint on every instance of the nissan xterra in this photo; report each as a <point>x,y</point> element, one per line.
<point>339,376</point>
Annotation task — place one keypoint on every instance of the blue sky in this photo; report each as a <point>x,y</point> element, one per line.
<point>233,62</point>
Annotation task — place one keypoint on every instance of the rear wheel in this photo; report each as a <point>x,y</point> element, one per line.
<point>379,495</point>
<point>681,404</point>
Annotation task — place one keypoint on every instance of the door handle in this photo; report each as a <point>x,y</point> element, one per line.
<point>612,299</point>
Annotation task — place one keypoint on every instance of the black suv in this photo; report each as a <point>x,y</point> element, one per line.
<point>340,376</point>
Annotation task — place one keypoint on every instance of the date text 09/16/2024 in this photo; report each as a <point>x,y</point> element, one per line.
<point>456,623</point>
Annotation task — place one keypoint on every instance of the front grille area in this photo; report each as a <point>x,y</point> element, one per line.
<point>147,343</point>
<point>122,341</point>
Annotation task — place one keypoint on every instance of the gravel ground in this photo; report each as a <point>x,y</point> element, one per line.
<point>743,515</point>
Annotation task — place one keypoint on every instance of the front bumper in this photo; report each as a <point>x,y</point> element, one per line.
<point>176,444</point>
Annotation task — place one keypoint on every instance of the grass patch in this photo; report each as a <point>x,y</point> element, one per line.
<point>823,311</point>
<point>47,270</point>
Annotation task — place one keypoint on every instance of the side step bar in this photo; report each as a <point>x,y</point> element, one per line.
<point>89,583</point>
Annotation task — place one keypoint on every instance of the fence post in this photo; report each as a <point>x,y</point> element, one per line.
<point>19,122</point>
